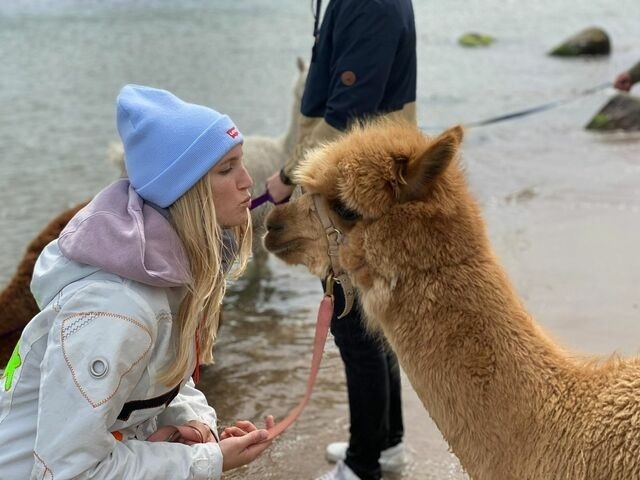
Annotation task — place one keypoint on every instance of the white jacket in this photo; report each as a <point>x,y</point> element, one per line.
<point>78,398</point>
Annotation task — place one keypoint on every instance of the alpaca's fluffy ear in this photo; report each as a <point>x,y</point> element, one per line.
<point>438,156</point>
<point>418,173</point>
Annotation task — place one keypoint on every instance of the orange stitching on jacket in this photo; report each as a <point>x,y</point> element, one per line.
<point>73,373</point>
<point>46,469</point>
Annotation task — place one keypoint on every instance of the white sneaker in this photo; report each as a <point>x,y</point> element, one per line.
<point>393,459</point>
<point>340,472</point>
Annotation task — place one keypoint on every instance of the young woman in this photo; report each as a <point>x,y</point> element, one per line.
<point>100,384</point>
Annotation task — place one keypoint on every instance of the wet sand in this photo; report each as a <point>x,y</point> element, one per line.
<point>299,452</point>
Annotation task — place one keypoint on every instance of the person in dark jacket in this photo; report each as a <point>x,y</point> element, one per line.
<point>363,64</point>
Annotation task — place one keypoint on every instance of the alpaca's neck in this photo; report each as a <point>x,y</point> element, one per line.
<point>481,369</point>
<point>480,365</point>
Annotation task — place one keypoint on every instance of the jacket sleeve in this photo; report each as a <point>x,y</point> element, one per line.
<point>98,348</point>
<point>365,44</point>
<point>189,404</point>
<point>365,39</point>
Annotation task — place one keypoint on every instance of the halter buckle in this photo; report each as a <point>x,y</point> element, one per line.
<point>328,285</point>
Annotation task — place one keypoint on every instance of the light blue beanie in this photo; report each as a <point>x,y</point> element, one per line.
<point>169,144</point>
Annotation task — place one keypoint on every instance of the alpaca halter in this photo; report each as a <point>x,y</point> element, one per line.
<point>336,275</point>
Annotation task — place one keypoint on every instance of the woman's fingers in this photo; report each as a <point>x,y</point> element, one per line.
<point>242,450</point>
<point>246,425</point>
<point>234,432</point>
<point>262,442</point>
<point>269,422</point>
<point>243,427</point>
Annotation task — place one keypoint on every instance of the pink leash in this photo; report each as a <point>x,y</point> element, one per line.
<point>325,312</point>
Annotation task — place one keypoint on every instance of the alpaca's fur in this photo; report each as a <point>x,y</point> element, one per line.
<point>17,305</point>
<point>509,401</point>
<point>262,156</point>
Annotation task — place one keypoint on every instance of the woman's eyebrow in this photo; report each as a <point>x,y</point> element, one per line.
<point>231,159</point>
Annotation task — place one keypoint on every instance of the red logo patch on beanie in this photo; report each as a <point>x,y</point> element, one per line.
<point>233,132</point>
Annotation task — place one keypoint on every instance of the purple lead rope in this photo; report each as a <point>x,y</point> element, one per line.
<point>256,202</point>
<point>265,197</point>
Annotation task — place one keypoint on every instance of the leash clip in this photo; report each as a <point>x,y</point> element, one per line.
<point>328,285</point>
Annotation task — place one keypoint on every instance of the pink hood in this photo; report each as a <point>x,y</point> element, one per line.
<point>120,233</point>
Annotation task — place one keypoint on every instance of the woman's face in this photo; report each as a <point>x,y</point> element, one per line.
<point>230,183</point>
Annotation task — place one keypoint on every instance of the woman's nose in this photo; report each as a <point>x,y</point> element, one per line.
<point>246,181</point>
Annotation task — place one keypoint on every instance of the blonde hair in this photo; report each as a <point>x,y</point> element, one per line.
<point>194,219</point>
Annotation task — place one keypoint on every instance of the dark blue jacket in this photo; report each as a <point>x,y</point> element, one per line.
<point>363,62</point>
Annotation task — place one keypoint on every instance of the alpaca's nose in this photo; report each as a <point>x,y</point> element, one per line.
<point>274,225</point>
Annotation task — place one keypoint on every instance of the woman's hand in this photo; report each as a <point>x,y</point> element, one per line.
<point>623,82</point>
<point>277,189</point>
<point>190,433</point>
<point>195,431</point>
<point>242,443</point>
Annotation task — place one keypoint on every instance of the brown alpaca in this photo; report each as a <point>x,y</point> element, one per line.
<point>510,402</point>
<point>18,305</point>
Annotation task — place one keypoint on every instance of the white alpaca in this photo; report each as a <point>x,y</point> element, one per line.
<point>265,155</point>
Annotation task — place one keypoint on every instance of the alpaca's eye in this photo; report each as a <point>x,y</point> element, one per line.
<point>344,212</point>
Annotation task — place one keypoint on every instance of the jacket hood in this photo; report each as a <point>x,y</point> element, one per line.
<point>119,233</point>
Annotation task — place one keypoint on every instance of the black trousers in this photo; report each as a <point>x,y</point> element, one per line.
<point>373,385</point>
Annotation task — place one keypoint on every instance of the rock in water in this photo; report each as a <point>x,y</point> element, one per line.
<point>473,39</point>
<point>622,112</point>
<point>591,41</point>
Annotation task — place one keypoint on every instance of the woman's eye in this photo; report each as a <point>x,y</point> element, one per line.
<point>225,169</point>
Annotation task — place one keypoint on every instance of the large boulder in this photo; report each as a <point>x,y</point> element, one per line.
<point>622,112</point>
<point>591,41</point>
